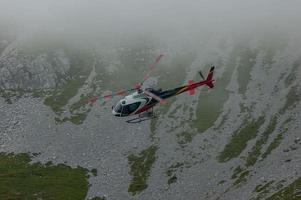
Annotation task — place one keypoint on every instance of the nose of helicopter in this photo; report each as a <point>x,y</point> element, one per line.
<point>116,114</point>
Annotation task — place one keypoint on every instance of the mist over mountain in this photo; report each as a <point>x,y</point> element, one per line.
<point>239,140</point>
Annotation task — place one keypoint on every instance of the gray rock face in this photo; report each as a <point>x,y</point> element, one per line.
<point>104,142</point>
<point>21,71</point>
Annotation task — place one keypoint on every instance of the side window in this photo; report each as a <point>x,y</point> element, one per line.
<point>125,110</point>
<point>134,106</point>
<point>118,108</point>
<point>128,109</point>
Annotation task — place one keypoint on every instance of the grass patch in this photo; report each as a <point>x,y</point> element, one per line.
<point>77,119</point>
<point>173,168</point>
<point>274,144</point>
<point>210,105</point>
<point>21,180</point>
<point>242,177</point>
<point>172,178</point>
<point>263,188</point>
<point>60,97</point>
<point>290,192</point>
<point>236,172</point>
<point>81,63</point>
<point>98,198</point>
<point>293,74</point>
<point>240,139</point>
<point>256,149</point>
<point>221,182</point>
<point>246,62</point>
<point>94,172</point>
<point>223,121</point>
<point>171,75</point>
<point>10,95</point>
<point>184,138</point>
<point>160,110</point>
<point>140,166</point>
<point>291,99</point>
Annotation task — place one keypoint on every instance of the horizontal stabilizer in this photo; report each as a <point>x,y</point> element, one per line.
<point>209,79</point>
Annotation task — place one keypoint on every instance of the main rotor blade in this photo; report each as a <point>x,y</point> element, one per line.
<point>92,99</point>
<point>137,86</point>
<point>108,95</point>
<point>162,101</point>
<point>151,68</point>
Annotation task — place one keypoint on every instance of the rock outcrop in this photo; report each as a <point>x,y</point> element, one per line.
<point>21,71</point>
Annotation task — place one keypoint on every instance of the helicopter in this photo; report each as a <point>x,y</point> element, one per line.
<point>141,101</point>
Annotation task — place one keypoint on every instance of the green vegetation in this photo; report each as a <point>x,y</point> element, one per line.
<point>81,63</point>
<point>236,172</point>
<point>172,178</point>
<point>262,188</point>
<point>224,119</point>
<point>210,105</point>
<point>175,68</point>
<point>247,59</point>
<point>39,93</point>
<point>221,182</point>
<point>160,110</point>
<point>80,67</point>
<point>81,103</point>
<point>291,99</point>
<point>19,179</point>
<point>274,144</point>
<point>10,95</point>
<point>98,198</point>
<point>94,172</point>
<point>293,74</point>
<point>242,177</point>
<point>140,167</point>
<point>184,138</point>
<point>57,100</point>
<point>75,119</point>
<point>270,45</point>
<point>277,140</point>
<point>256,149</point>
<point>290,192</point>
<point>239,140</point>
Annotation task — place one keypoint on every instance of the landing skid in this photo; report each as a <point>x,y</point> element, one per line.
<point>142,117</point>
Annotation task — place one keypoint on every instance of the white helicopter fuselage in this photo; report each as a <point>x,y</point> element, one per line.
<point>132,104</point>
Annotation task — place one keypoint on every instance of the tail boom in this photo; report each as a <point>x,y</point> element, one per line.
<point>190,87</point>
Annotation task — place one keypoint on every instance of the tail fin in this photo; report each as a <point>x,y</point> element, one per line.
<point>209,78</point>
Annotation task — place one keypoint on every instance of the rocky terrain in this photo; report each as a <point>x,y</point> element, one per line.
<point>240,140</point>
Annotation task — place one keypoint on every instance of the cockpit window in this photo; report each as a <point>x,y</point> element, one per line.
<point>128,109</point>
<point>118,108</point>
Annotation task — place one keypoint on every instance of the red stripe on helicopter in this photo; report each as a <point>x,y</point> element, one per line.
<point>145,108</point>
<point>191,89</point>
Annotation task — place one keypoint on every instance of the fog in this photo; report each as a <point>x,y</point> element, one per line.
<point>160,20</point>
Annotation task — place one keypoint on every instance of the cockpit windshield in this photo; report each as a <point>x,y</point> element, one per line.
<point>125,110</point>
<point>118,108</point>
